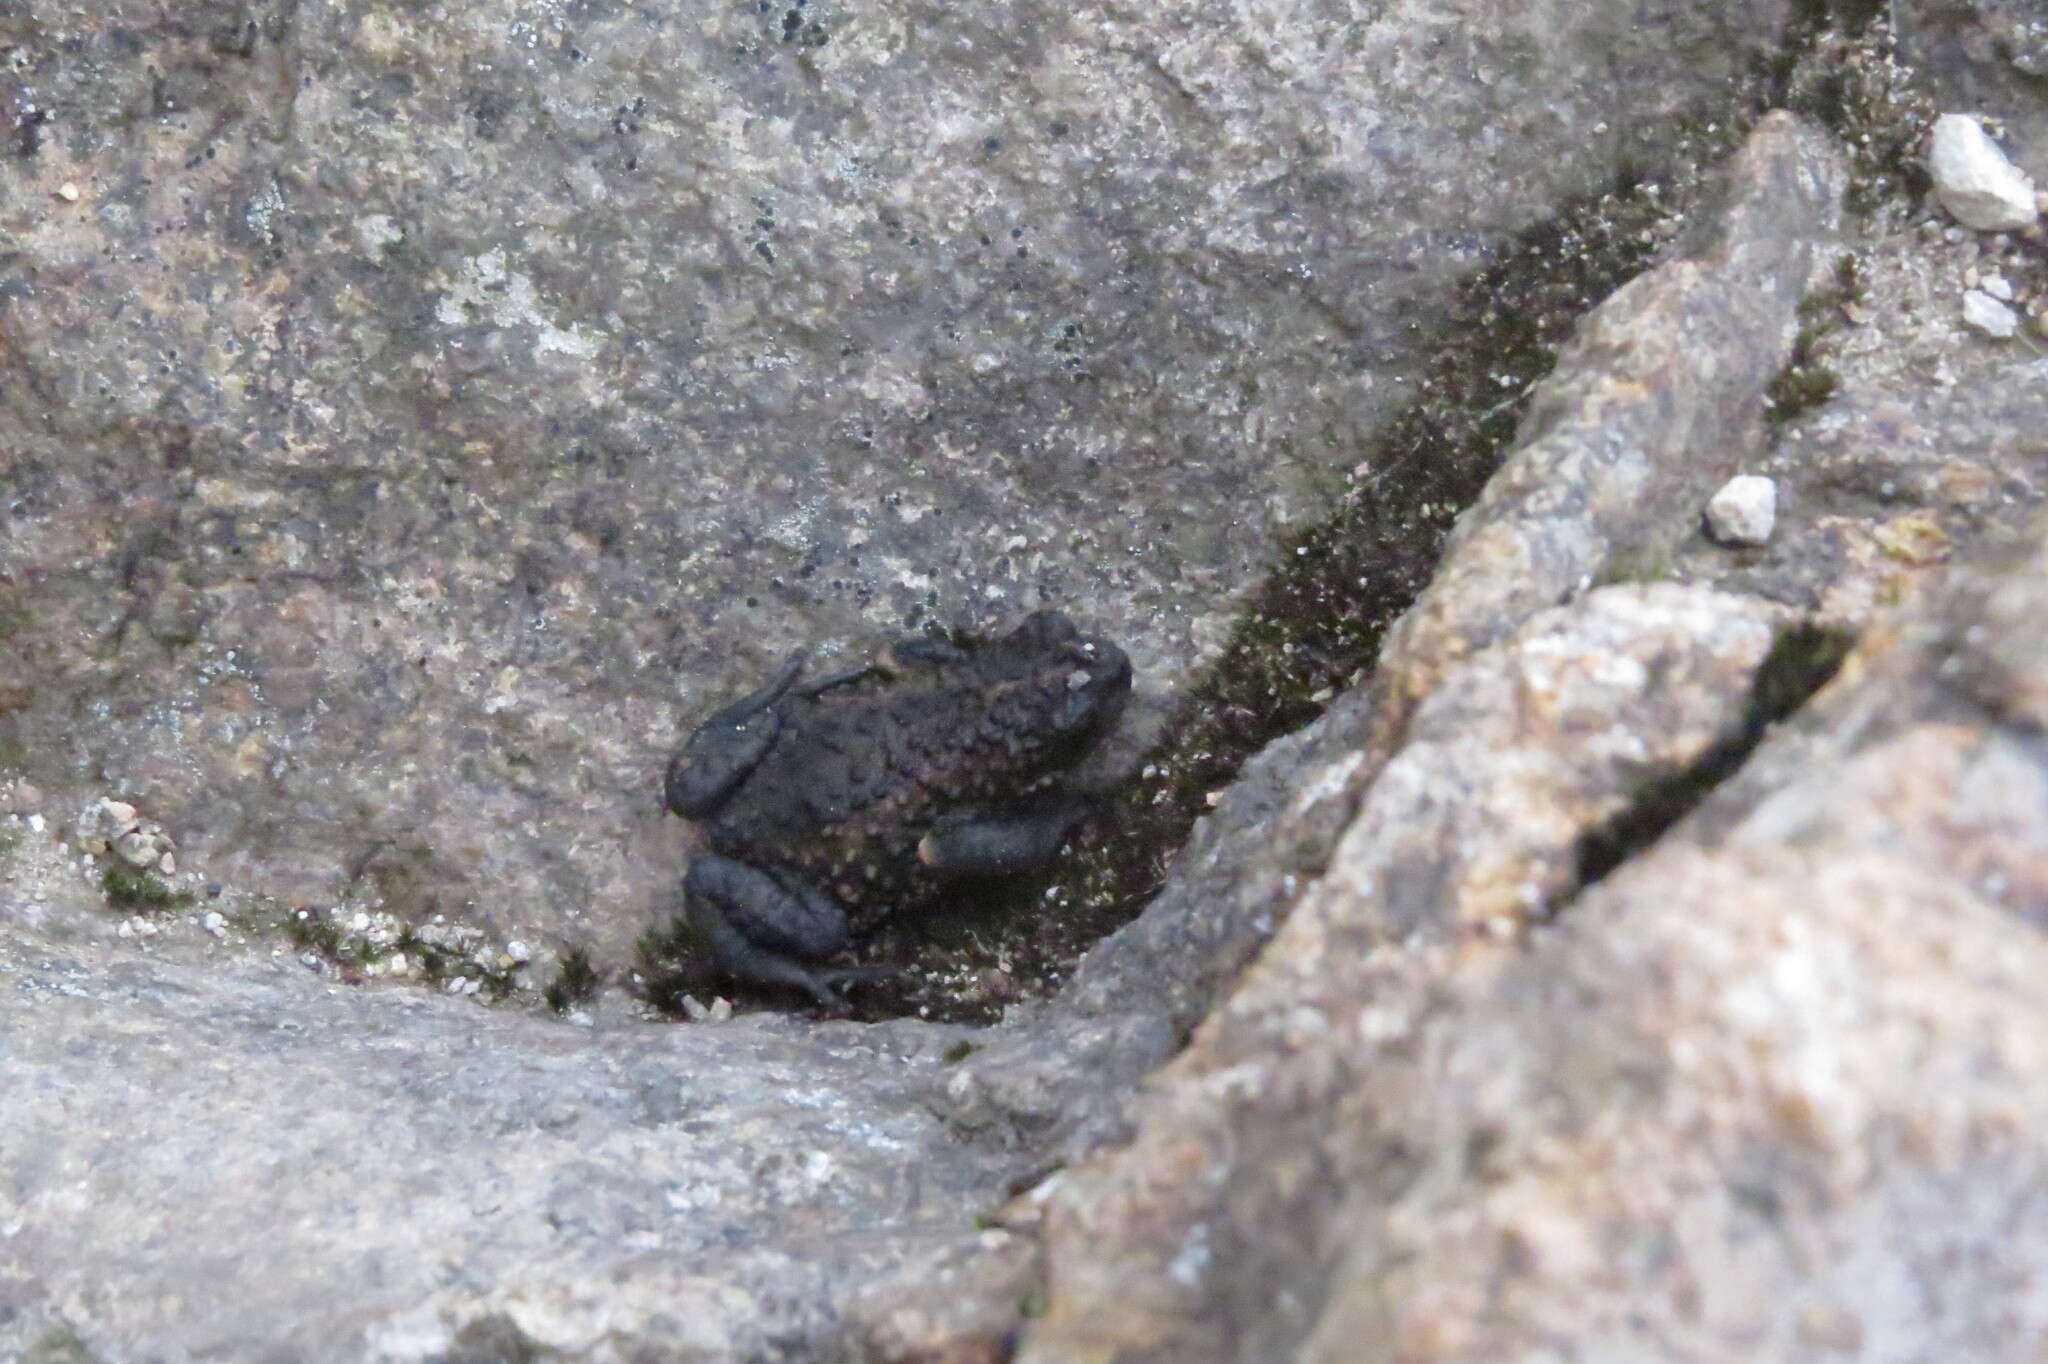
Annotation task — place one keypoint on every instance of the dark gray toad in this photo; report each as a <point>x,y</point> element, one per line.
<point>832,805</point>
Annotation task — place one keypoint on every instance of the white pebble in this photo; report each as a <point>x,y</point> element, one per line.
<point>518,951</point>
<point>215,922</point>
<point>1744,511</point>
<point>1988,315</point>
<point>1998,286</point>
<point>167,864</point>
<point>1973,179</point>
<point>35,824</point>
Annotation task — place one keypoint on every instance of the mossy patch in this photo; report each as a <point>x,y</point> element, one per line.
<point>668,963</point>
<point>139,891</point>
<point>1808,378</point>
<point>1842,72</point>
<point>576,981</point>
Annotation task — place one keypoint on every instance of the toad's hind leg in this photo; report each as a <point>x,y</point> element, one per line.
<point>763,927</point>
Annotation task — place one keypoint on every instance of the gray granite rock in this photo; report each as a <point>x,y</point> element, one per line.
<point>413,417</point>
<point>1769,1090</point>
<point>1986,57</point>
<point>513,348</point>
<point>211,1160</point>
<point>1651,406</point>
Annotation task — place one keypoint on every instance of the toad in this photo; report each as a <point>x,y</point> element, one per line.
<point>832,805</point>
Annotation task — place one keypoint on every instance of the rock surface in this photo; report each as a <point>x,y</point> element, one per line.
<point>1625,441</point>
<point>415,417</point>
<point>1775,1076</point>
<point>1544,996</point>
<point>1986,57</point>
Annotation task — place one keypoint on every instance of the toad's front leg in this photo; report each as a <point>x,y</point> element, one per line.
<point>1000,842</point>
<point>763,926</point>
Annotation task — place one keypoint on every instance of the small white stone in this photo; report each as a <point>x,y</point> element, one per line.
<point>721,1009</point>
<point>120,812</point>
<point>1998,286</point>
<point>68,192</point>
<point>1973,179</point>
<point>1744,511</point>
<point>167,864</point>
<point>1988,315</point>
<point>695,1009</point>
<point>518,951</point>
<point>35,824</point>
<point>215,923</point>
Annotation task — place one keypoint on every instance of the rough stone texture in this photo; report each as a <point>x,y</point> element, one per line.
<point>1987,57</point>
<point>1774,1087</point>
<point>1656,405</point>
<point>419,412</point>
<point>227,1161</point>
<point>1974,180</point>
<point>1932,438</point>
<point>1645,414</point>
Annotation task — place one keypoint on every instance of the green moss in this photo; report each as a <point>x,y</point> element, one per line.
<point>1808,380</point>
<point>959,1052</point>
<point>1796,390</point>
<point>1636,566</point>
<point>668,964</point>
<point>1802,660</point>
<point>576,981</point>
<point>1842,73</point>
<point>59,1345</point>
<point>129,889</point>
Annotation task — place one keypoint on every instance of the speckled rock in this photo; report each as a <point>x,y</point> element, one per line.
<point>1986,57</point>
<point>1648,409</point>
<point>409,1169</point>
<point>417,414</point>
<point>1808,1009</point>
<point>421,485</point>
